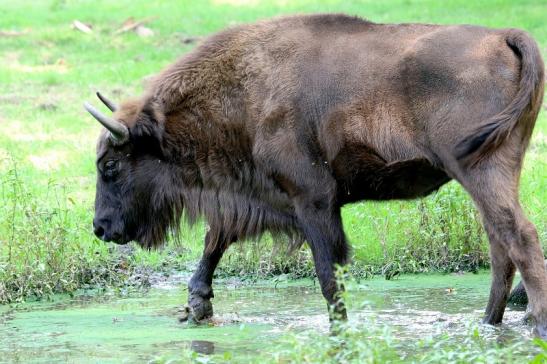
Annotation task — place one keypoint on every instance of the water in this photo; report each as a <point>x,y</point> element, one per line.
<point>143,327</point>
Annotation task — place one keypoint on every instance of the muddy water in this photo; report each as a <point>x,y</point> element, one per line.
<point>143,327</point>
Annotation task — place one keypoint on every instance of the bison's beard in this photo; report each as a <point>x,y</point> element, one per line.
<point>161,220</point>
<point>155,234</point>
<point>154,237</point>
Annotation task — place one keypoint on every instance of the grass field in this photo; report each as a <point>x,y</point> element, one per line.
<point>47,143</point>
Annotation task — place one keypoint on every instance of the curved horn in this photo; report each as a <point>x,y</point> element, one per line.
<point>118,132</point>
<point>109,104</point>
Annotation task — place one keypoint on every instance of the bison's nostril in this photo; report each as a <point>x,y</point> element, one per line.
<point>99,231</point>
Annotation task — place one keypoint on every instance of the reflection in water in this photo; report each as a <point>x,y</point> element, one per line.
<point>202,346</point>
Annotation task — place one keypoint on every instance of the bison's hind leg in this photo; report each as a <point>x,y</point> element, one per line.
<point>513,238</point>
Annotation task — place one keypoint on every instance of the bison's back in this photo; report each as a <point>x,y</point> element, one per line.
<point>392,87</point>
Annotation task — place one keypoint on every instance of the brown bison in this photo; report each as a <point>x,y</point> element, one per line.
<point>274,126</point>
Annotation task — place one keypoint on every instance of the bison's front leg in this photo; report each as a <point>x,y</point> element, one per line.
<point>200,291</point>
<point>321,223</point>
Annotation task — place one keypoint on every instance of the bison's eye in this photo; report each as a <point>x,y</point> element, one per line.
<point>110,168</point>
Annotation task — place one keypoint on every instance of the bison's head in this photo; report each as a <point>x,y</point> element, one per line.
<point>135,197</point>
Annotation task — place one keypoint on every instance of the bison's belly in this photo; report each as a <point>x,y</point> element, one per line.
<point>368,177</point>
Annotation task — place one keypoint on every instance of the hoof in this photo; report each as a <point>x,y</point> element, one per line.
<point>492,319</point>
<point>540,328</point>
<point>197,309</point>
<point>184,314</point>
<point>541,331</point>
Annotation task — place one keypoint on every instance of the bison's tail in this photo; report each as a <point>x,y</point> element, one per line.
<point>523,109</point>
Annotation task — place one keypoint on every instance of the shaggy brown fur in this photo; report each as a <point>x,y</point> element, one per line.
<point>274,126</point>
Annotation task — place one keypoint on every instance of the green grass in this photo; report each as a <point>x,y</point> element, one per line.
<point>47,143</point>
<point>371,343</point>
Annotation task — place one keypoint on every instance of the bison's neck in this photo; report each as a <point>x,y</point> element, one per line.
<point>212,162</point>
<point>208,151</point>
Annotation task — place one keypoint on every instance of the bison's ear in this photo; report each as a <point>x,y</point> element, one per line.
<point>148,131</point>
